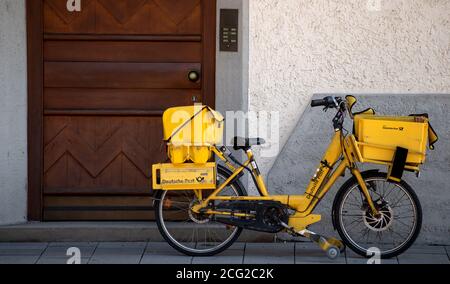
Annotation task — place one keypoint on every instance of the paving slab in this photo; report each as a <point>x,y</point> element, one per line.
<point>362,260</point>
<point>318,260</point>
<point>118,253</point>
<point>351,254</point>
<point>58,260</point>
<point>167,258</point>
<point>163,253</point>
<point>116,259</point>
<point>18,259</point>
<point>426,250</point>
<point>15,249</point>
<point>273,253</point>
<point>232,256</point>
<point>73,244</point>
<point>423,259</point>
<point>61,252</point>
<point>158,248</point>
<point>24,245</point>
<point>118,245</point>
<point>237,246</point>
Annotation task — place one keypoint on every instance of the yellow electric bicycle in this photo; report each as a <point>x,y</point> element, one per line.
<point>201,207</point>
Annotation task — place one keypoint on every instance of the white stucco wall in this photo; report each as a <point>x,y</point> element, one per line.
<point>13,112</point>
<point>301,47</point>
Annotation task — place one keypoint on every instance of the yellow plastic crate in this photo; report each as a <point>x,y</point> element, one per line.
<point>191,131</point>
<point>184,176</point>
<point>379,136</point>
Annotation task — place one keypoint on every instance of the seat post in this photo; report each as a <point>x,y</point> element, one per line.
<point>258,178</point>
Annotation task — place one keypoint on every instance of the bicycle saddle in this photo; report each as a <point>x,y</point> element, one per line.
<point>241,143</point>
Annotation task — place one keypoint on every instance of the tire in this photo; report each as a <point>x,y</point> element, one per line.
<point>238,190</point>
<point>383,226</point>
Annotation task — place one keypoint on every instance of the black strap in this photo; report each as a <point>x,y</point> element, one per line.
<point>398,166</point>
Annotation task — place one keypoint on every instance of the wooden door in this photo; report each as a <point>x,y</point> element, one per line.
<point>109,70</point>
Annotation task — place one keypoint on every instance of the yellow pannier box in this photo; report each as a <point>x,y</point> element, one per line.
<point>184,176</point>
<point>190,132</point>
<point>379,136</point>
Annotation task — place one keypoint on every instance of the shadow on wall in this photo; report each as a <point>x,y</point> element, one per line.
<point>301,156</point>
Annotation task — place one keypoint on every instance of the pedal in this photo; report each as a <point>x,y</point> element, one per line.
<point>333,247</point>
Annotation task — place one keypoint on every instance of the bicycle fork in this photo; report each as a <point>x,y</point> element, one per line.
<point>365,191</point>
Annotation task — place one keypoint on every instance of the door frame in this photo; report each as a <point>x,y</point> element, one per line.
<point>35,68</point>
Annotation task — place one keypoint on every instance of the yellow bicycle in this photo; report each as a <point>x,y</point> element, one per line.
<point>201,208</point>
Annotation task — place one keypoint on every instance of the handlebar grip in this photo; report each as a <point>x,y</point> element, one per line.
<point>318,103</point>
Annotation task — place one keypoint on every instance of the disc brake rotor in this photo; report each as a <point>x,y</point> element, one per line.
<point>379,223</point>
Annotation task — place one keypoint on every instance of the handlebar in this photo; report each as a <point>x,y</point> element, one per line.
<point>333,103</point>
<point>317,103</point>
<point>328,102</point>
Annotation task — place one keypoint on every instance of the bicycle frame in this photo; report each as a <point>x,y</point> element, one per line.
<point>338,157</point>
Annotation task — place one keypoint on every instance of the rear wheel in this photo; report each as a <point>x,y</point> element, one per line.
<point>393,231</point>
<point>190,233</point>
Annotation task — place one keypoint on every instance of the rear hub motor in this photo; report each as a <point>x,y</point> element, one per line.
<point>195,217</point>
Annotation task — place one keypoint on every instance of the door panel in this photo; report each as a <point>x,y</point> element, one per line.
<point>120,51</point>
<point>125,17</point>
<point>85,155</point>
<point>108,73</point>
<point>119,75</point>
<point>117,99</point>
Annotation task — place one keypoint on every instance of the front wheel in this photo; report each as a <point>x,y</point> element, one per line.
<point>393,231</point>
<point>195,234</point>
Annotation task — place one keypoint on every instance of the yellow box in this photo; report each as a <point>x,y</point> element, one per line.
<point>191,131</point>
<point>184,176</point>
<point>181,154</point>
<point>200,154</point>
<point>193,125</point>
<point>178,154</point>
<point>379,136</point>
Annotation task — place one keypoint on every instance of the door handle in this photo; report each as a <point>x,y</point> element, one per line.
<point>194,76</point>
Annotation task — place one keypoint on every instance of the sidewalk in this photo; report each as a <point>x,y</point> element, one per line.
<point>240,253</point>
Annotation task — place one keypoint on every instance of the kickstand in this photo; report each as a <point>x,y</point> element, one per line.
<point>333,247</point>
